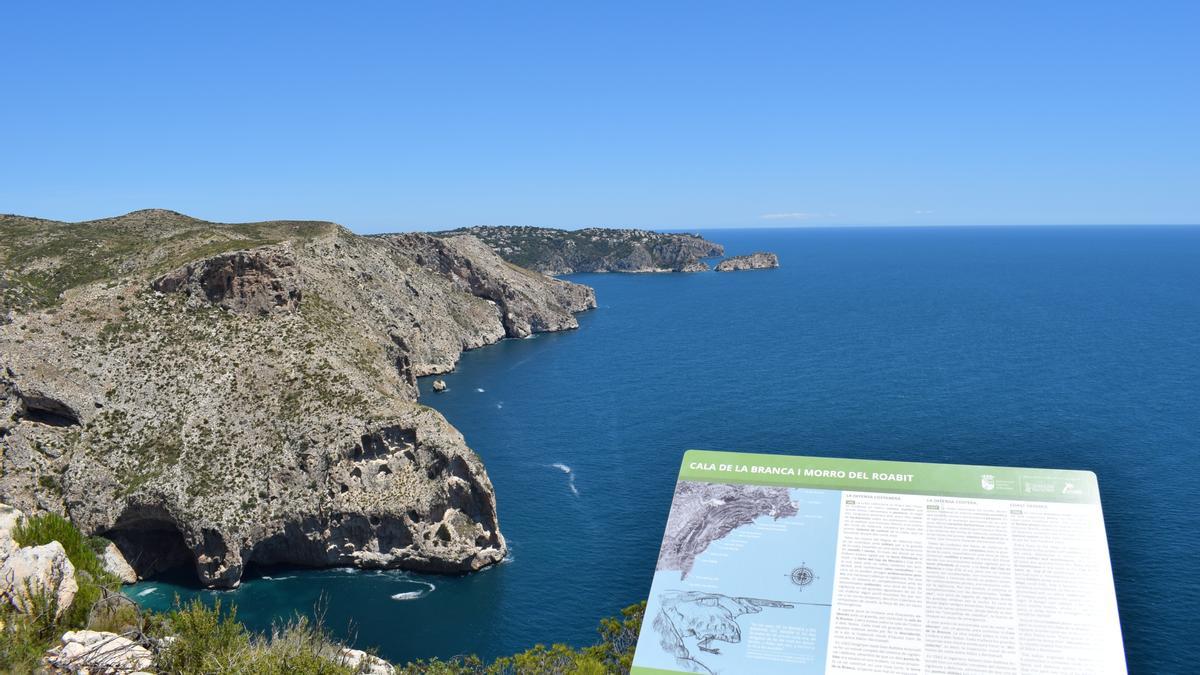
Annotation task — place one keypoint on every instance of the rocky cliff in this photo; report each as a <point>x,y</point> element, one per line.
<point>220,394</point>
<point>596,249</point>
<point>754,261</point>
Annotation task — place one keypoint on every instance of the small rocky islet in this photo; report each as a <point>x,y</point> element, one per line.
<point>754,261</point>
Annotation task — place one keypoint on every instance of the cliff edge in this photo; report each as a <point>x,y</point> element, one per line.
<point>217,394</point>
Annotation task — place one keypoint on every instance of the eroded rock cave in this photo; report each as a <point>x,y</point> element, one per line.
<point>152,543</point>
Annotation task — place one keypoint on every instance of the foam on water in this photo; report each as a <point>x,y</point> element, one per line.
<point>570,476</point>
<point>414,595</point>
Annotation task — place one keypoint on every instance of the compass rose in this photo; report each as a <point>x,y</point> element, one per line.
<point>802,576</point>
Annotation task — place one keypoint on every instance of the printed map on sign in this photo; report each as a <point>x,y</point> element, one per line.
<point>744,578</point>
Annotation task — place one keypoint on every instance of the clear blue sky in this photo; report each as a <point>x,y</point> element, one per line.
<point>392,116</point>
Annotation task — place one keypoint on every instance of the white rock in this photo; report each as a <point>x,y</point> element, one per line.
<point>363,662</point>
<point>115,564</point>
<point>99,652</point>
<point>10,517</point>
<point>38,568</point>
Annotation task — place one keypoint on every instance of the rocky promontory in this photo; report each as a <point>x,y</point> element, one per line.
<point>212,395</point>
<point>754,261</point>
<point>595,249</point>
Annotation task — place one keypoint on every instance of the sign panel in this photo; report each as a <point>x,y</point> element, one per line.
<point>785,564</point>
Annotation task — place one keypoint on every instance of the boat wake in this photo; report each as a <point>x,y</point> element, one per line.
<point>414,595</point>
<point>570,476</point>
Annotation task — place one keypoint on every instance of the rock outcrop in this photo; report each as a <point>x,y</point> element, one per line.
<point>115,564</point>
<point>99,652</point>
<point>362,662</point>
<point>595,249</point>
<point>33,572</point>
<point>212,395</point>
<point>10,518</point>
<point>244,281</point>
<point>754,261</point>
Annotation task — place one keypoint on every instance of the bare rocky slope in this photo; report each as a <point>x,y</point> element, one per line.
<point>595,249</point>
<point>222,394</point>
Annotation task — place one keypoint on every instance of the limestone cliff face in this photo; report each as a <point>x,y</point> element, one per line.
<point>220,394</point>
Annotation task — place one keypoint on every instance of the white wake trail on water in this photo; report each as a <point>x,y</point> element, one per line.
<point>479,389</point>
<point>413,595</point>
<point>570,476</point>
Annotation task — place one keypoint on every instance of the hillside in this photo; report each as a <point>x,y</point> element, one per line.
<point>596,249</point>
<point>217,394</point>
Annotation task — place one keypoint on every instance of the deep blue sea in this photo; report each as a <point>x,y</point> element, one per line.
<point>1046,347</point>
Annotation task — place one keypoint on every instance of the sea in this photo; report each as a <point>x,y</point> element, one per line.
<point>1059,347</point>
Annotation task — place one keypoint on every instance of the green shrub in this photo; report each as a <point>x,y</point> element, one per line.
<point>115,616</point>
<point>542,660</point>
<point>89,570</point>
<point>300,646</point>
<point>612,654</point>
<point>204,640</point>
<point>618,638</point>
<point>22,643</point>
<point>48,527</point>
<point>24,637</point>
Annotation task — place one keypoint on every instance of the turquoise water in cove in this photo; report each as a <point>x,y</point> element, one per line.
<point>1046,347</point>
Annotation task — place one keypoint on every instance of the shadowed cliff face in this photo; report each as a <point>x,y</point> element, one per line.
<point>227,394</point>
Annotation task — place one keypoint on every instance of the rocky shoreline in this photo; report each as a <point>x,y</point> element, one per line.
<point>596,249</point>
<point>558,252</point>
<point>215,395</point>
<point>220,394</point>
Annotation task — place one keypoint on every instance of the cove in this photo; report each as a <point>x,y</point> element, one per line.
<point>1048,347</point>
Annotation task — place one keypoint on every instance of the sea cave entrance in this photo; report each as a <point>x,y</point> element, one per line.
<point>153,544</point>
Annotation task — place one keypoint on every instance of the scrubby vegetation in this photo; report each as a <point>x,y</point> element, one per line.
<point>595,249</point>
<point>47,258</point>
<point>207,640</point>
<point>612,654</point>
<point>196,638</point>
<point>94,583</point>
<point>26,636</point>
<point>83,552</point>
